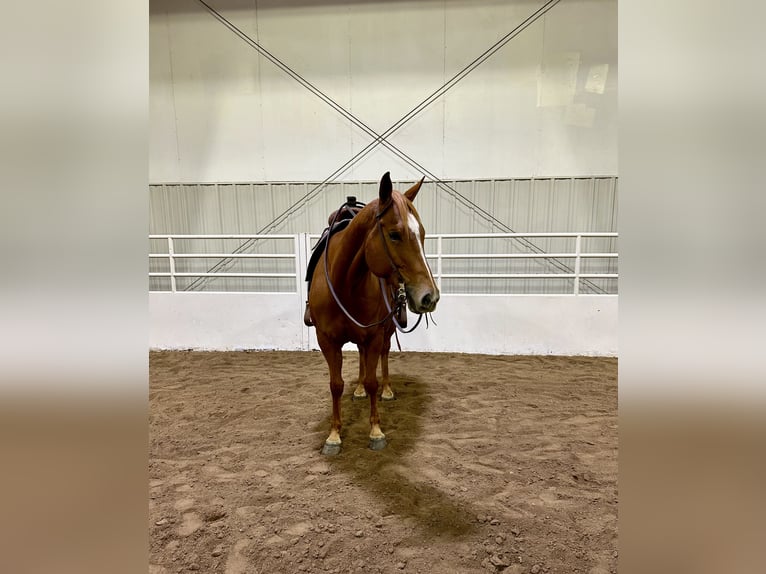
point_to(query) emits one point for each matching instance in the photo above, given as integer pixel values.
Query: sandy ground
(493, 464)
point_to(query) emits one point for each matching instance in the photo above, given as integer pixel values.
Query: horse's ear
(413, 191)
(386, 187)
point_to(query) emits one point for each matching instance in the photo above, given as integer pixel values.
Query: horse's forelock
(404, 207)
(410, 209)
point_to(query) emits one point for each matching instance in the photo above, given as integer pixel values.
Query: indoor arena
(383, 275)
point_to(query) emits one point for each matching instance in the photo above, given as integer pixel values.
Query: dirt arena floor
(494, 464)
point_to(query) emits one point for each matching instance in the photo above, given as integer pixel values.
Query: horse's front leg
(334, 356)
(371, 355)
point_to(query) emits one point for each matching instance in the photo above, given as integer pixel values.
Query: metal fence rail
(462, 263)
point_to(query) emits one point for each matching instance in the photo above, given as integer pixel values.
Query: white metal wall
(522, 205)
(544, 105)
(509, 137)
(525, 325)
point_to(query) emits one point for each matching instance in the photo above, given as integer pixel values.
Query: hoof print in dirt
(331, 449)
(377, 443)
(499, 562)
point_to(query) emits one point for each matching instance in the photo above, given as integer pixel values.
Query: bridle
(401, 294)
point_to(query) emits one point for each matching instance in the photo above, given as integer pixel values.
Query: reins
(401, 298)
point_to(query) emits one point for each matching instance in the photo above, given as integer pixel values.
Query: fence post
(302, 249)
(578, 245)
(439, 261)
(298, 250)
(172, 261)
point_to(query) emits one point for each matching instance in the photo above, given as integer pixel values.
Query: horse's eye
(395, 236)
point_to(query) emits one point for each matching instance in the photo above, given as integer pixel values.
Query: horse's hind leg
(359, 392)
(334, 356)
(387, 394)
(371, 356)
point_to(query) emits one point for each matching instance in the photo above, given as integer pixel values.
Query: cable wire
(380, 138)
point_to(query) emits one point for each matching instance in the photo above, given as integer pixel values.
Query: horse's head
(395, 246)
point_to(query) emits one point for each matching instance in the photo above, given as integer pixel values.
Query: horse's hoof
(385, 398)
(331, 449)
(356, 397)
(378, 443)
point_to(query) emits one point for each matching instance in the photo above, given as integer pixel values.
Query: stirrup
(307, 317)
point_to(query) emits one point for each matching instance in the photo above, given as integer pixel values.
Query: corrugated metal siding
(520, 205)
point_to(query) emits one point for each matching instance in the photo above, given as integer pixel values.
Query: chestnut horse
(353, 294)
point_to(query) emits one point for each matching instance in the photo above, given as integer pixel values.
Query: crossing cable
(377, 138)
(380, 138)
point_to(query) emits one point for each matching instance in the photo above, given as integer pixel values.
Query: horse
(366, 273)
(336, 221)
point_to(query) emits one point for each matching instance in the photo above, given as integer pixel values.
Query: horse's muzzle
(422, 300)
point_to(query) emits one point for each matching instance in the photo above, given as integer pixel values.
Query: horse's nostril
(426, 300)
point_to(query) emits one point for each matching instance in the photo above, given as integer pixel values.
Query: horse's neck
(349, 264)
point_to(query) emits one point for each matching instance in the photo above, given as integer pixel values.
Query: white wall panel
(225, 322)
(221, 113)
(523, 325)
(524, 205)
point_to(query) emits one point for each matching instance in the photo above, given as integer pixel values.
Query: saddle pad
(319, 247)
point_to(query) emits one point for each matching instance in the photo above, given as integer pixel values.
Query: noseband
(400, 303)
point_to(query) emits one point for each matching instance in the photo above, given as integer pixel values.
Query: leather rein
(401, 295)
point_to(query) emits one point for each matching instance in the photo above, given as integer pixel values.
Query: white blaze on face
(414, 226)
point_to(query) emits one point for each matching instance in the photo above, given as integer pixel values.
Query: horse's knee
(336, 387)
(371, 386)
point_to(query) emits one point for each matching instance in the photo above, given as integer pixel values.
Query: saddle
(338, 220)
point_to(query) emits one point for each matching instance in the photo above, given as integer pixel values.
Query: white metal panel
(225, 321)
(523, 205)
(538, 325)
(220, 112)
